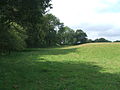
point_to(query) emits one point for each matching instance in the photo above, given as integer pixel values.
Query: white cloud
(86, 13)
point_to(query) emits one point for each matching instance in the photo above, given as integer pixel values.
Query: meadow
(82, 67)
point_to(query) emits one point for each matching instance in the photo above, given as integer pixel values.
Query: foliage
(101, 40)
(71, 37)
(52, 24)
(80, 36)
(17, 18)
(66, 35)
(12, 38)
(117, 41)
(89, 41)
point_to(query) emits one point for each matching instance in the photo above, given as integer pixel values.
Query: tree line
(27, 24)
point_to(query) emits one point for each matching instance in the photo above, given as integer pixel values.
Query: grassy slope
(85, 67)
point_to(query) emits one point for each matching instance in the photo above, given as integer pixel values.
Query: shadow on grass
(21, 72)
(51, 51)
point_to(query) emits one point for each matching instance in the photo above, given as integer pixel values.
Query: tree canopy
(101, 40)
(17, 18)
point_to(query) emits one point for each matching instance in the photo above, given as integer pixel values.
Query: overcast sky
(98, 18)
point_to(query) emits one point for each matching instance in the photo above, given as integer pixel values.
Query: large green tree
(66, 35)
(81, 36)
(51, 27)
(19, 19)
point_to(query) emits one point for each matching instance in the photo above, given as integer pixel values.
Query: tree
(80, 36)
(52, 26)
(89, 41)
(117, 41)
(66, 35)
(46, 32)
(101, 40)
(12, 38)
(18, 18)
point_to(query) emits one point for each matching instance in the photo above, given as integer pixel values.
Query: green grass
(84, 67)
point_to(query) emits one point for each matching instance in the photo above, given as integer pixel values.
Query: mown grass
(84, 67)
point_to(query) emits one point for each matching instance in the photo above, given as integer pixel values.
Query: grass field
(82, 67)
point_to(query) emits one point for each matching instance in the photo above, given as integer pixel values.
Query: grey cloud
(94, 31)
(93, 27)
(107, 31)
(100, 27)
(110, 33)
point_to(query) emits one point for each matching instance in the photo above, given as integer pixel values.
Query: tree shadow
(51, 51)
(48, 75)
